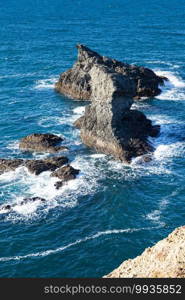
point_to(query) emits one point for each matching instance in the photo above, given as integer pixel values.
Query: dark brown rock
(155, 130)
(50, 164)
(65, 173)
(7, 165)
(34, 166)
(59, 184)
(41, 142)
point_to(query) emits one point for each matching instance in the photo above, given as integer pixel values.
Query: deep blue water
(112, 212)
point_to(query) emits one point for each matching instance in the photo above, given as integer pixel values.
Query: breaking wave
(174, 89)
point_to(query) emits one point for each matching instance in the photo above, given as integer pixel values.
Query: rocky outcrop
(166, 259)
(134, 81)
(112, 129)
(49, 164)
(42, 142)
(34, 166)
(65, 174)
(109, 125)
(57, 165)
(7, 165)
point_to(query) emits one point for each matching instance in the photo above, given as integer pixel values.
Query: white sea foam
(88, 180)
(36, 186)
(174, 79)
(97, 155)
(170, 150)
(52, 121)
(62, 248)
(43, 186)
(48, 83)
(13, 145)
(77, 113)
(160, 62)
(26, 208)
(167, 147)
(162, 119)
(155, 216)
(65, 118)
(79, 110)
(137, 168)
(174, 89)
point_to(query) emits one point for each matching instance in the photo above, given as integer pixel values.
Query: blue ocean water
(112, 212)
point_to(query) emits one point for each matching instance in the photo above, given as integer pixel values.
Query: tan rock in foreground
(166, 259)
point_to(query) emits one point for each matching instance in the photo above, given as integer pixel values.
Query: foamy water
(65, 118)
(87, 182)
(48, 83)
(174, 89)
(43, 186)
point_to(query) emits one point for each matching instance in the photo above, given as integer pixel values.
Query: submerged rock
(8, 207)
(166, 259)
(42, 142)
(49, 164)
(5, 207)
(7, 165)
(32, 199)
(134, 81)
(65, 173)
(59, 184)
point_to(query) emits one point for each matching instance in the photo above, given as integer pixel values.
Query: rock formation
(7, 165)
(58, 165)
(42, 142)
(109, 125)
(135, 81)
(65, 173)
(49, 164)
(165, 259)
(111, 129)
(34, 166)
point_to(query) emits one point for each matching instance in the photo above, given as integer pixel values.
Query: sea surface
(112, 211)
